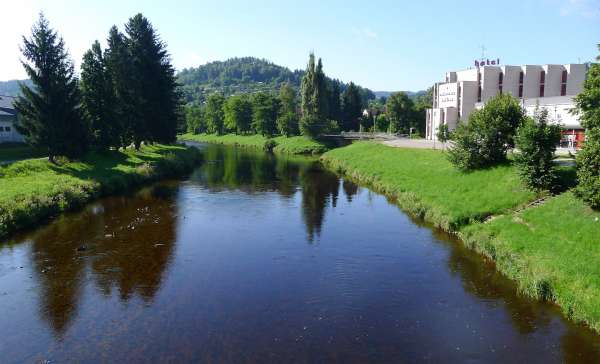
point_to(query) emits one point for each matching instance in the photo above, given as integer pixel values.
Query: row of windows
(563, 85)
(5, 128)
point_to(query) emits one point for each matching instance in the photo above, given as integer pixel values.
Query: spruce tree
(119, 73)
(335, 107)
(351, 108)
(98, 99)
(50, 115)
(314, 95)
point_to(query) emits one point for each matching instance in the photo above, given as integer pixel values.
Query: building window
(542, 81)
(478, 86)
(500, 81)
(521, 77)
(7, 128)
(563, 83)
(1, 128)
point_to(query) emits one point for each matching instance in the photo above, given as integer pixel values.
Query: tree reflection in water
(126, 243)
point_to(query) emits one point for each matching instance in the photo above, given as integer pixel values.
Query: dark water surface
(262, 259)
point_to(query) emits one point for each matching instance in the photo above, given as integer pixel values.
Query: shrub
(269, 145)
(588, 170)
(488, 136)
(536, 141)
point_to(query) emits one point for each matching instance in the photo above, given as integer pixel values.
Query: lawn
(33, 189)
(427, 185)
(287, 145)
(16, 151)
(552, 250)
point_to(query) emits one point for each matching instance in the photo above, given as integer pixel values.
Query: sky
(383, 45)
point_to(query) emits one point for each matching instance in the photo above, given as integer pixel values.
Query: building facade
(550, 86)
(8, 118)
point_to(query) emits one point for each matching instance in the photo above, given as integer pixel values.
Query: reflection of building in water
(550, 86)
(127, 243)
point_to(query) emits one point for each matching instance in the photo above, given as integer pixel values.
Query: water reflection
(125, 244)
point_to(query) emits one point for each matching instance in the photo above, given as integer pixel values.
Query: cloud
(589, 9)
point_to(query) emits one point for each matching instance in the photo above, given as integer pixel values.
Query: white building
(8, 117)
(549, 86)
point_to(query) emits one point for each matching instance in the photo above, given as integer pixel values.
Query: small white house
(8, 117)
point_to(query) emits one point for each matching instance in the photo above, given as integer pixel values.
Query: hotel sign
(447, 95)
(487, 62)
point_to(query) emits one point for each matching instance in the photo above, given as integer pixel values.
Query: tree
(119, 73)
(351, 108)
(314, 104)
(335, 106)
(381, 123)
(488, 136)
(214, 115)
(287, 121)
(194, 119)
(399, 112)
(264, 113)
(50, 115)
(98, 99)
(155, 96)
(443, 134)
(588, 159)
(536, 142)
(238, 114)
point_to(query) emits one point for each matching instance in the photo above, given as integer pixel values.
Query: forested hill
(11, 88)
(242, 75)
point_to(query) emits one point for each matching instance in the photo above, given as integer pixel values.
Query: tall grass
(34, 189)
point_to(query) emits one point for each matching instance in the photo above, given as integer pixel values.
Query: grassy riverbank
(15, 151)
(427, 185)
(287, 145)
(550, 250)
(34, 189)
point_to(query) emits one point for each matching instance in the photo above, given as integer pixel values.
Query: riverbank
(284, 145)
(549, 249)
(35, 189)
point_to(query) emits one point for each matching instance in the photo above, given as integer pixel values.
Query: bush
(488, 136)
(536, 141)
(269, 145)
(588, 170)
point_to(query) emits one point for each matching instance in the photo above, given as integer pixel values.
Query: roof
(6, 105)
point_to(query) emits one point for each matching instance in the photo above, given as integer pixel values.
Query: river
(255, 258)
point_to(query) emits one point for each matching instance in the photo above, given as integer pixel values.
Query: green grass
(13, 152)
(551, 250)
(34, 189)
(427, 185)
(287, 145)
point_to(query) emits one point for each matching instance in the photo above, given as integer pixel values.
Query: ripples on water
(256, 258)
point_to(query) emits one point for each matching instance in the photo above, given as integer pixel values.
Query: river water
(262, 259)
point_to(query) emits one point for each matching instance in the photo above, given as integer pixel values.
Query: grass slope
(552, 251)
(12, 151)
(31, 190)
(287, 145)
(427, 185)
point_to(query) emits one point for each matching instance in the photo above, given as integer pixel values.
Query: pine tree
(314, 99)
(156, 98)
(119, 73)
(351, 108)
(98, 99)
(50, 115)
(335, 107)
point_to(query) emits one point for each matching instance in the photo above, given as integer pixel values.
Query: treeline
(244, 75)
(320, 106)
(127, 93)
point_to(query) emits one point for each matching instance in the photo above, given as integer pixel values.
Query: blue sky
(383, 45)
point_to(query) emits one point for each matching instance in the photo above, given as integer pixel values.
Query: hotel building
(8, 118)
(550, 86)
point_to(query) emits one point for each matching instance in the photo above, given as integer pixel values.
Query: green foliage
(34, 189)
(99, 99)
(588, 169)
(485, 140)
(287, 121)
(443, 134)
(381, 123)
(194, 119)
(314, 105)
(399, 112)
(269, 145)
(427, 185)
(238, 114)
(588, 159)
(335, 106)
(285, 145)
(351, 108)
(536, 141)
(50, 116)
(214, 115)
(119, 72)
(265, 108)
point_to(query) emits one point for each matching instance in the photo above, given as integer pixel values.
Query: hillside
(242, 75)
(11, 87)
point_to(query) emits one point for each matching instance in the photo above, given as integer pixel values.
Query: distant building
(8, 118)
(550, 86)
